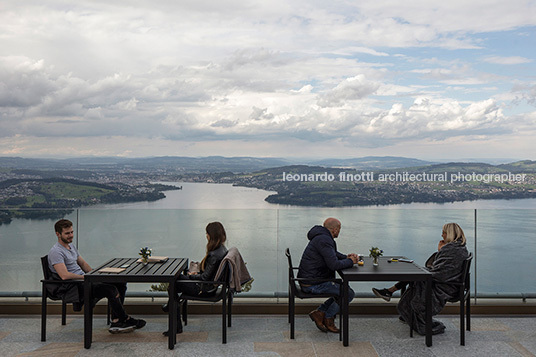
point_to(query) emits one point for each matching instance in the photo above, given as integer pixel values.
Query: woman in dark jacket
(216, 251)
(446, 267)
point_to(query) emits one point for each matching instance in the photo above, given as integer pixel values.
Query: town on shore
(40, 188)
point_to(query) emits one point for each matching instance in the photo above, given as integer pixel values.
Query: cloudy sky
(419, 78)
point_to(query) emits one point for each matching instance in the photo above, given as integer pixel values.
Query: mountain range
(213, 163)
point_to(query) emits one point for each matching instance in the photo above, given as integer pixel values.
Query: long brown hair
(216, 237)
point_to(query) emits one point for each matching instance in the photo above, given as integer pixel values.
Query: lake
(502, 237)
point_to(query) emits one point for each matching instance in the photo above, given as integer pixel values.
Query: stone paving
(268, 335)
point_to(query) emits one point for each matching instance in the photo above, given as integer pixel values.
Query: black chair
(223, 293)
(295, 291)
(46, 283)
(464, 297)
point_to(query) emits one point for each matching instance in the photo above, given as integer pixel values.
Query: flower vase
(144, 260)
(375, 261)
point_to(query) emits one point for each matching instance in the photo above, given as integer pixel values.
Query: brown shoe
(318, 318)
(330, 325)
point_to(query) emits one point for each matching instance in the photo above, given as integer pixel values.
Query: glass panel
(23, 242)
(505, 240)
(181, 233)
(505, 249)
(413, 233)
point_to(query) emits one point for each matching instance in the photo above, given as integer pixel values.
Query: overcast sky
(419, 78)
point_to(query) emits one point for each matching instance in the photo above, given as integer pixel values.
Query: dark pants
(111, 292)
(402, 285)
(190, 288)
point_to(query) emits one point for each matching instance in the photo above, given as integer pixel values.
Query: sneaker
(383, 293)
(120, 327)
(137, 323)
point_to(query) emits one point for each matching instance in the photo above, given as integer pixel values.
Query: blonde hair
(454, 233)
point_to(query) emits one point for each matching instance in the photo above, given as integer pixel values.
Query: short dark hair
(61, 224)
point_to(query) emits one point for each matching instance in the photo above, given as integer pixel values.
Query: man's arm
(64, 274)
(83, 264)
(328, 252)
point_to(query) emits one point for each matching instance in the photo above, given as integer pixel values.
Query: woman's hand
(440, 244)
(192, 273)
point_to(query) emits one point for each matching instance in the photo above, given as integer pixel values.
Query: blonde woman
(446, 268)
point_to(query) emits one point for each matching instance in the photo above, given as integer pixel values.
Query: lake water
(503, 238)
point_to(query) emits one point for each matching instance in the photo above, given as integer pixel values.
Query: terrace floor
(268, 335)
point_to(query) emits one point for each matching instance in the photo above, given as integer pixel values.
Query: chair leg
(462, 322)
(291, 312)
(184, 311)
(468, 313)
(223, 322)
(229, 309)
(289, 293)
(63, 313)
(44, 316)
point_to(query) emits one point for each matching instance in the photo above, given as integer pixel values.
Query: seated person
(66, 263)
(320, 260)
(215, 252)
(446, 267)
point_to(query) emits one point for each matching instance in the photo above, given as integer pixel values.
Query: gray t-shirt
(59, 254)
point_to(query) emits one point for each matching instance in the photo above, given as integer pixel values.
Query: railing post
(475, 255)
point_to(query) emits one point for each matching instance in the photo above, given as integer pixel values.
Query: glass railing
(501, 240)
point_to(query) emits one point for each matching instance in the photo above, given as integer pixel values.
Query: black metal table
(164, 272)
(385, 271)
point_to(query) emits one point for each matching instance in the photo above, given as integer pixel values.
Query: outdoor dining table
(134, 272)
(386, 271)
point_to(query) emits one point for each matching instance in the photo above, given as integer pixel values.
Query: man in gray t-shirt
(65, 262)
(59, 254)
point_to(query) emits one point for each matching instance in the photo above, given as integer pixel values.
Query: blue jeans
(330, 306)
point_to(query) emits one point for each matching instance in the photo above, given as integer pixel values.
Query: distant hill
(373, 162)
(209, 163)
(318, 186)
(520, 166)
(175, 163)
(216, 164)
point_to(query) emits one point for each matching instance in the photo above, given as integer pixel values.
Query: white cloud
(354, 88)
(507, 60)
(383, 72)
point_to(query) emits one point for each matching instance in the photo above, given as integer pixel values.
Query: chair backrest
(464, 284)
(291, 279)
(290, 267)
(467, 272)
(47, 273)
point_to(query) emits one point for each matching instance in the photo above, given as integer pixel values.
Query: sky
(315, 79)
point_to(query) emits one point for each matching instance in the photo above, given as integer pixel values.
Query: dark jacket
(320, 259)
(446, 269)
(68, 292)
(212, 263)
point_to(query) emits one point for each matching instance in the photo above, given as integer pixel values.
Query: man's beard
(65, 240)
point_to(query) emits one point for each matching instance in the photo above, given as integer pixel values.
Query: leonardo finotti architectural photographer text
(405, 176)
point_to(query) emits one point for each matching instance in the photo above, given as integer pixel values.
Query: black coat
(446, 268)
(321, 259)
(212, 263)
